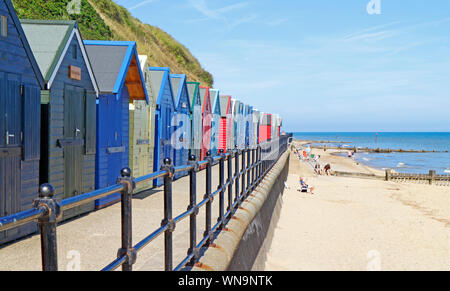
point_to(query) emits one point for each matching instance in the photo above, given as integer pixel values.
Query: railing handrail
(47, 210)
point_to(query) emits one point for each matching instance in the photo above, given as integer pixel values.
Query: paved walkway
(96, 236)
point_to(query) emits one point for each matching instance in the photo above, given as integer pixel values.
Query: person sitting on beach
(305, 187)
(327, 169)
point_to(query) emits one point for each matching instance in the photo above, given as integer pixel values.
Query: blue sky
(323, 65)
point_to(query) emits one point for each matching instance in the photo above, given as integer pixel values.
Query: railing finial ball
(167, 161)
(46, 190)
(125, 172)
(192, 158)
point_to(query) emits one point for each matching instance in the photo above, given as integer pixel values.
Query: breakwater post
(432, 177)
(388, 174)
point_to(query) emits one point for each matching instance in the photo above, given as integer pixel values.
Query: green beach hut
(68, 106)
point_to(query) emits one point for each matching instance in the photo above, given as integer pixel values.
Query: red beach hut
(206, 122)
(265, 127)
(225, 121)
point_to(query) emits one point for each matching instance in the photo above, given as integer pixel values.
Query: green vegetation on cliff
(105, 20)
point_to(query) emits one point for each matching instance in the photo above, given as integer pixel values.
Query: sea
(417, 163)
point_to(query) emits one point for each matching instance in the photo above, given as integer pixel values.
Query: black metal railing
(255, 164)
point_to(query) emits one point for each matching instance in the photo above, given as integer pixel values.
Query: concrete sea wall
(243, 244)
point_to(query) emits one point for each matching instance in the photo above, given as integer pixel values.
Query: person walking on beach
(317, 169)
(327, 169)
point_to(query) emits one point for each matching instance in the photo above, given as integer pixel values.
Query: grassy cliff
(105, 20)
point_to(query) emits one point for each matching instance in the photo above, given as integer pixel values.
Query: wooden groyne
(377, 150)
(431, 178)
(321, 141)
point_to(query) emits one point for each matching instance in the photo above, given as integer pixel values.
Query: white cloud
(277, 22)
(220, 13)
(141, 4)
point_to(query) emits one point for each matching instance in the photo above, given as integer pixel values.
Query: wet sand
(360, 224)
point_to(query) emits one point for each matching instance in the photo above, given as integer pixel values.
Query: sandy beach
(359, 224)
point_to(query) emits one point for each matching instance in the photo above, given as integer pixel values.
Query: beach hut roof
(234, 106)
(26, 45)
(225, 105)
(214, 93)
(49, 40)
(193, 88)
(159, 76)
(116, 63)
(178, 82)
(204, 92)
(142, 61)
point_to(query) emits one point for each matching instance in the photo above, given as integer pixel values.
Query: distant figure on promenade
(327, 169)
(305, 187)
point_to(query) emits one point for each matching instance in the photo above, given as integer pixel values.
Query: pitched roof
(215, 100)
(204, 93)
(143, 61)
(193, 88)
(225, 105)
(25, 43)
(178, 82)
(49, 41)
(116, 64)
(159, 78)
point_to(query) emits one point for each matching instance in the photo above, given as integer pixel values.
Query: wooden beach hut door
(166, 134)
(74, 141)
(10, 145)
(140, 151)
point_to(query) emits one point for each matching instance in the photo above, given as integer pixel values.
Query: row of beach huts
(73, 113)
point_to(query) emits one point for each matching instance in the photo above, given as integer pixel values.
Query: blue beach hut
(164, 114)
(181, 138)
(248, 125)
(120, 80)
(215, 121)
(68, 105)
(196, 118)
(241, 126)
(21, 82)
(234, 119)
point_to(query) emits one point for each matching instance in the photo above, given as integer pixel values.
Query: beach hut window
(4, 26)
(74, 52)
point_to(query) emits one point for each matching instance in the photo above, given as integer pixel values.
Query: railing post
(236, 175)
(193, 205)
(243, 174)
(126, 219)
(47, 225)
(258, 158)
(247, 189)
(168, 245)
(221, 187)
(209, 197)
(253, 168)
(230, 181)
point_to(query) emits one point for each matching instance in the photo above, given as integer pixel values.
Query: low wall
(241, 245)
